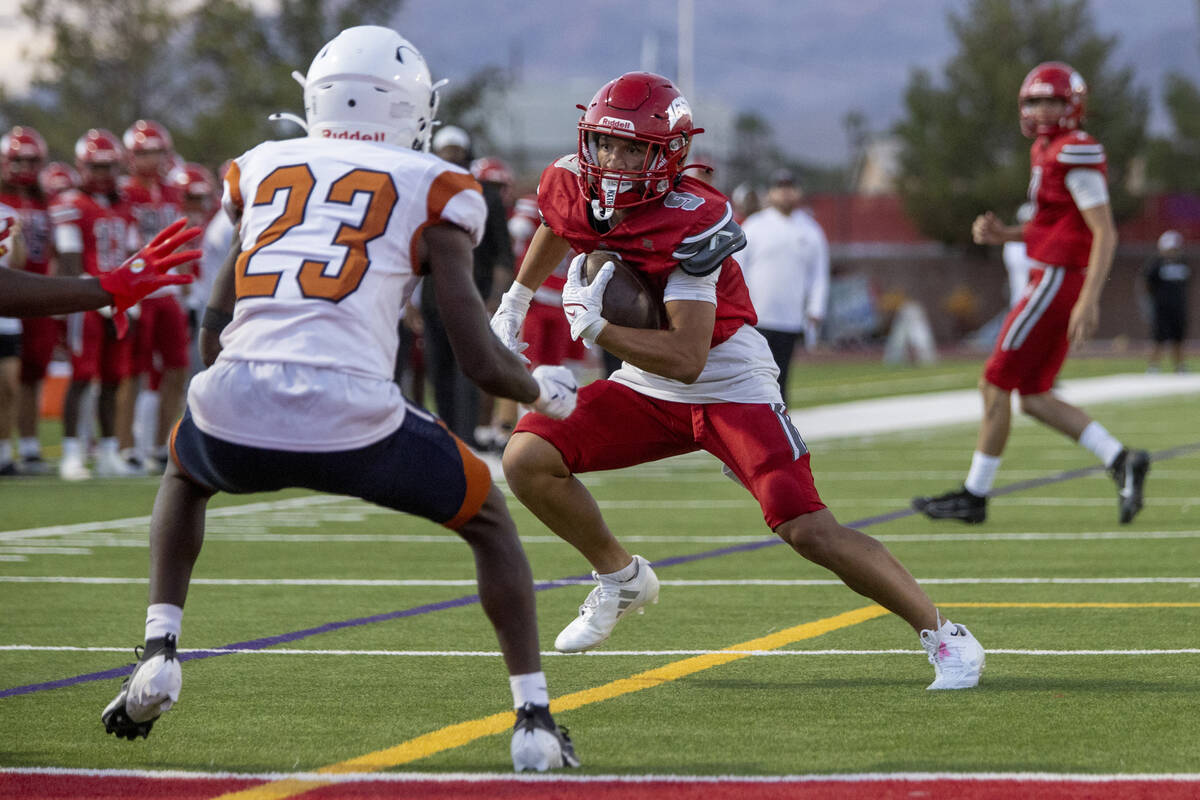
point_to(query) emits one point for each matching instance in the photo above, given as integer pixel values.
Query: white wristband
(517, 297)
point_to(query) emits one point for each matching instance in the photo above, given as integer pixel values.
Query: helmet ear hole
(351, 102)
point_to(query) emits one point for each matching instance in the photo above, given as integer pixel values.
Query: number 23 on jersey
(318, 279)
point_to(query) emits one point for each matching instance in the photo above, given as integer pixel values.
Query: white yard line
(791, 582)
(286, 651)
(567, 777)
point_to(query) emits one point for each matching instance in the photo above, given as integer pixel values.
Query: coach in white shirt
(786, 265)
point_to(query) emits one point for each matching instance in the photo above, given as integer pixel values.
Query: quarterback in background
(706, 381)
(1071, 239)
(335, 230)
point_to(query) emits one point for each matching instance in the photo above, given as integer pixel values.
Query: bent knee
(810, 535)
(528, 457)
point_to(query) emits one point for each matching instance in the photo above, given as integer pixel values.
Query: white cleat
(149, 691)
(72, 468)
(606, 604)
(956, 655)
(111, 465)
(538, 744)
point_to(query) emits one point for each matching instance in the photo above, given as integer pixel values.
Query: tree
(1174, 163)
(962, 150)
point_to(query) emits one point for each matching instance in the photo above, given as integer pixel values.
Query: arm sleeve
(1087, 187)
(682, 285)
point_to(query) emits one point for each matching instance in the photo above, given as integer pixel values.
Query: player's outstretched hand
(584, 303)
(145, 271)
(558, 391)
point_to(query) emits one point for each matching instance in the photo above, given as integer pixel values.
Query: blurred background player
(545, 330)
(161, 337)
(12, 256)
(1016, 258)
(786, 265)
(23, 157)
(94, 231)
(1167, 276)
(1072, 238)
(218, 238)
(705, 382)
(456, 398)
(300, 389)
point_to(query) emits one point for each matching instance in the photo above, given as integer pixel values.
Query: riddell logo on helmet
(614, 122)
(366, 137)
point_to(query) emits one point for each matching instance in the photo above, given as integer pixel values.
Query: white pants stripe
(1035, 307)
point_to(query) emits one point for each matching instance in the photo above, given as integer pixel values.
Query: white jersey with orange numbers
(328, 234)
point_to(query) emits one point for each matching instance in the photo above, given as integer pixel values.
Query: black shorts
(421, 468)
(1170, 325)
(10, 345)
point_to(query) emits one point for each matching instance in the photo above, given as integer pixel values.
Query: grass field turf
(760, 715)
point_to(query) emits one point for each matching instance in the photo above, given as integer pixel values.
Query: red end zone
(44, 786)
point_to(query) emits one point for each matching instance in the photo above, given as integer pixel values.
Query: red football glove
(145, 271)
(7, 225)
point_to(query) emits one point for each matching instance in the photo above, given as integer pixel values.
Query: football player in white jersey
(335, 231)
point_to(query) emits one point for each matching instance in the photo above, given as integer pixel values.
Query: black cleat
(960, 504)
(1129, 473)
(155, 681)
(538, 743)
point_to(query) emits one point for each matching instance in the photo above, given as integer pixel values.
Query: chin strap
(600, 212)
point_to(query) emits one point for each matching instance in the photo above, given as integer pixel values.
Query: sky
(800, 64)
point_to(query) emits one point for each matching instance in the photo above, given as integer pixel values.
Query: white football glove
(558, 391)
(584, 304)
(510, 316)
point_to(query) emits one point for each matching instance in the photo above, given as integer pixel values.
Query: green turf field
(1074, 609)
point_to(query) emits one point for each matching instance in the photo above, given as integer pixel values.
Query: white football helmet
(370, 83)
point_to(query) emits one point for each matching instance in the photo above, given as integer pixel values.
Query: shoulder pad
(703, 253)
(569, 162)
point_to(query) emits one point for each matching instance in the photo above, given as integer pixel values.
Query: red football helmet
(644, 107)
(199, 189)
(57, 177)
(23, 151)
(491, 170)
(1058, 80)
(98, 148)
(146, 135)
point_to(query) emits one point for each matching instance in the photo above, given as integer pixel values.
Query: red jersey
(656, 237)
(107, 233)
(154, 207)
(35, 227)
(1057, 234)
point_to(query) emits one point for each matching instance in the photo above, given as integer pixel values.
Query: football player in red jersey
(94, 232)
(23, 154)
(161, 339)
(1071, 238)
(707, 381)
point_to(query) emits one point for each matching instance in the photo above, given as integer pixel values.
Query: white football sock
(71, 447)
(30, 447)
(163, 619)
(5, 452)
(1103, 444)
(982, 474)
(529, 688)
(622, 575)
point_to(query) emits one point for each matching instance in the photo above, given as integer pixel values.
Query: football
(629, 299)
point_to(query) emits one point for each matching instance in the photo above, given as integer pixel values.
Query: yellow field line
(465, 732)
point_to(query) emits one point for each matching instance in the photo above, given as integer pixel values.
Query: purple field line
(471, 599)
